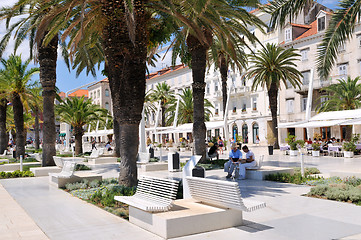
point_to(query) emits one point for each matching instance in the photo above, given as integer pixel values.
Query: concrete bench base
(15, 166)
(156, 166)
(185, 218)
(4, 160)
(102, 160)
(260, 174)
(44, 171)
(77, 177)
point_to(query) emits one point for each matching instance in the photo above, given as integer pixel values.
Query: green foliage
(65, 155)
(290, 138)
(82, 167)
(296, 178)
(155, 159)
(349, 146)
(316, 146)
(27, 167)
(308, 171)
(16, 174)
(294, 144)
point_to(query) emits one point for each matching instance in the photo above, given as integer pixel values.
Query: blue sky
(67, 80)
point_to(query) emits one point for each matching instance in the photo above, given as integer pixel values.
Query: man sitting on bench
(235, 156)
(248, 162)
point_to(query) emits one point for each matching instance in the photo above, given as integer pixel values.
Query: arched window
(245, 133)
(107, 106)
(255, 131)
(107, 92)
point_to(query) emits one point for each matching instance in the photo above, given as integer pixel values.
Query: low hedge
(16, 174)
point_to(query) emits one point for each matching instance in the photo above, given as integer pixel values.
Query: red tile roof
(165, 71)
(79, 93)
(312, 31)
(300, 25)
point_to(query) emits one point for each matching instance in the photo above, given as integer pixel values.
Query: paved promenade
(32, 209)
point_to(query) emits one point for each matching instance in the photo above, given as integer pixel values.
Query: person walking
(220, 145)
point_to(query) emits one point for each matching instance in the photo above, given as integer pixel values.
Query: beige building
(100, 94)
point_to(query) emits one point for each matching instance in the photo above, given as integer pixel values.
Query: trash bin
(199, 172)
(14, 154)
(173, 162)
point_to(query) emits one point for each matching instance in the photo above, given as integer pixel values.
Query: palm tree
(345, 95)
(204, 21)
(3, 131)
(163, 94)
(340, 29)
(35, 103)
(15, 78)
(186, 109)
(270, 67)
(78, 112)
(27, 15)
(126, 29)
(223, 60)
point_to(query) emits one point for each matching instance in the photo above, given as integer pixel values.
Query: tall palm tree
(124, 28)
(3, 131)
(345, 95)
(186, 109)
(27, 15)
(36, 106)
(270, 67)
(16, 77)
(225, 20)
(223, 59)
(340, 29)
(163, 94)
(78, 112)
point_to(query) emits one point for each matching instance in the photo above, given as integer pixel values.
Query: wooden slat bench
(221, 193)
(152, 194)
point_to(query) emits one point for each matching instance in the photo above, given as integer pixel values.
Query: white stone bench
(44, 171)
(220, 193)
(68, 175)
(152, 194)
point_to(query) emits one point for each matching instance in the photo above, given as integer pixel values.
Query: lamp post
(67, 126)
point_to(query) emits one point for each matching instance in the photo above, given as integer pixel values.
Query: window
(323, 100)
(107, 92)
(244, 82)
(234, 107)
(216, 109)
(288, 84)
(342, 70)
(255, 131)
(91, 95)
(233, 82)
(98, 93)
(289, 104)
(254, 103)
(341, 48)
(216, 86)
(304, 53)
(303, 104)
(107, 106)
(358, 40)
(288, 36)
(321, 24)
(306, 77)
(208, 88)
(244, 107)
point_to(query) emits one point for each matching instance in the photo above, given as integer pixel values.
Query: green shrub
(94, 184)
(82, 167)
(64, 155)
(16, 174)
(308, 171)
(319, 190)
(77, 185)
(296, 178)
(40, 150)
(155, 159)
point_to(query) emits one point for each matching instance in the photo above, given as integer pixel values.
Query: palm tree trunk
(198, 53)
(116, 138)
(272, 96)
(126, 62)
(36, 127)
(47, 61)
(3, 133)
(19, 124)
(78, 133)
(224, 72)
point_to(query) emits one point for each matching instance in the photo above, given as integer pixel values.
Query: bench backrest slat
(157, 189)
(68, 168)
(219, 193)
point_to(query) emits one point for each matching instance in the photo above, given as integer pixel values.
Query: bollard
(302, 165)
(160, 153)
(21, 162)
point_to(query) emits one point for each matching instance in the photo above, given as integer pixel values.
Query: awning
(313, 124)
(188, 127)
(337, 115)
(99, 133)
(62, 134)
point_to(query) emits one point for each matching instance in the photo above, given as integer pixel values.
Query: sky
(67, 80)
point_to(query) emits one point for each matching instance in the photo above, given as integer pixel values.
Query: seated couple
(237, 163)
